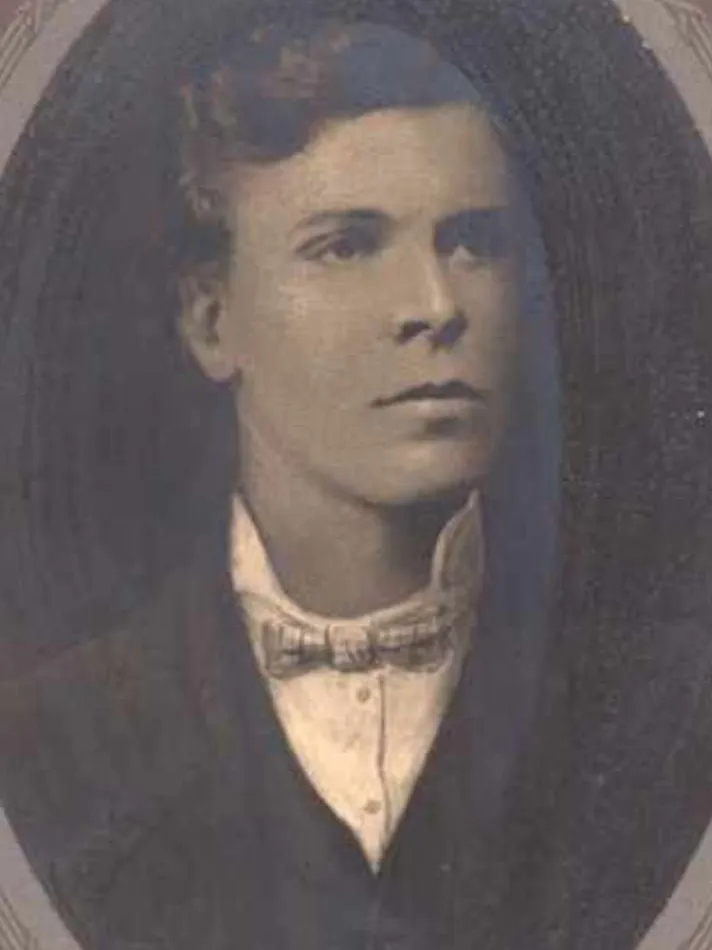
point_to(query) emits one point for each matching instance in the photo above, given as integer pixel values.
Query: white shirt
(361, 738)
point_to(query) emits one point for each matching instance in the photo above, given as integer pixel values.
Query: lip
(436, 397)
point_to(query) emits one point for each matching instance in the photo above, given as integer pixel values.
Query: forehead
(398, 161)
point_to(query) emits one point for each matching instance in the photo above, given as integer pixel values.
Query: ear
(204, 326)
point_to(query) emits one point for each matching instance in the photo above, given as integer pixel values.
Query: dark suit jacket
(150, 782)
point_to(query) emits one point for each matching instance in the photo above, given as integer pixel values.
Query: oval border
(39, 35)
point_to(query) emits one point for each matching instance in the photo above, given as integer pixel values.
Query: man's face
(371, 301)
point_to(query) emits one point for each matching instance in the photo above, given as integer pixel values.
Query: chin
(430, 474)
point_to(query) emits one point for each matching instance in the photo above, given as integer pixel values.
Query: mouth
(451, 391)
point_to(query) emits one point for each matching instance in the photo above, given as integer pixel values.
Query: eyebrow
(486, 221)
(478, 215)
(343, 216)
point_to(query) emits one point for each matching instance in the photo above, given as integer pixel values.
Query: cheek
(298, 333)
(491, 301)
(319, 317)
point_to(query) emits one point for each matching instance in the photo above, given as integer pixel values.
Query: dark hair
(262, 97)
(113, 449)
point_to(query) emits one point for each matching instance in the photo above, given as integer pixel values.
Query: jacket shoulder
(94, 741)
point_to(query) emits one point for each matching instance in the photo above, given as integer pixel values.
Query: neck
(336, 555)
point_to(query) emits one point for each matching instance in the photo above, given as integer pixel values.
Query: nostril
(450, 332)
(410, 329)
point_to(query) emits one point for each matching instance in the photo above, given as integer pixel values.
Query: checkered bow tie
(419, 638)
(417, 635)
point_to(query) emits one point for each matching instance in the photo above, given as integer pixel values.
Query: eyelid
(360, 233)
(317, 241)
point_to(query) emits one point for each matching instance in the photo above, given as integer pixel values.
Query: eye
(341, 247)
(473, 238)
(463, 256)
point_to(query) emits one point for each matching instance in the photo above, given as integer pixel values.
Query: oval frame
(35, 43)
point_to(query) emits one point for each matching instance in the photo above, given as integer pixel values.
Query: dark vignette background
(112, 450)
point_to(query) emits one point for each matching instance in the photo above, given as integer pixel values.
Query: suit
(148, 779)
(163, 808)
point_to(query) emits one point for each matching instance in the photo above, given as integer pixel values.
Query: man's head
(356, 281)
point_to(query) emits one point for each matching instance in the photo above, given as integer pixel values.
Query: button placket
(370, 802)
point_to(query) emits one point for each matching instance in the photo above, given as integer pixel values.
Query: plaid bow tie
(419, 639)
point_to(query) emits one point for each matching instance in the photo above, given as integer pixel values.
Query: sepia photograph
(355, 475)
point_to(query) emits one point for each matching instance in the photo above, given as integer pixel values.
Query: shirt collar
(457, 564)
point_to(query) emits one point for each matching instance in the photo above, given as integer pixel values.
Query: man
(187, 804)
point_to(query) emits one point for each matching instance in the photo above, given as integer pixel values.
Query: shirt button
(372, 807)
(364, 694)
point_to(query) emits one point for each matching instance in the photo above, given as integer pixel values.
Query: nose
(428, 307)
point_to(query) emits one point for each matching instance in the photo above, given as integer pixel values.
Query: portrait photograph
(355, 475)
